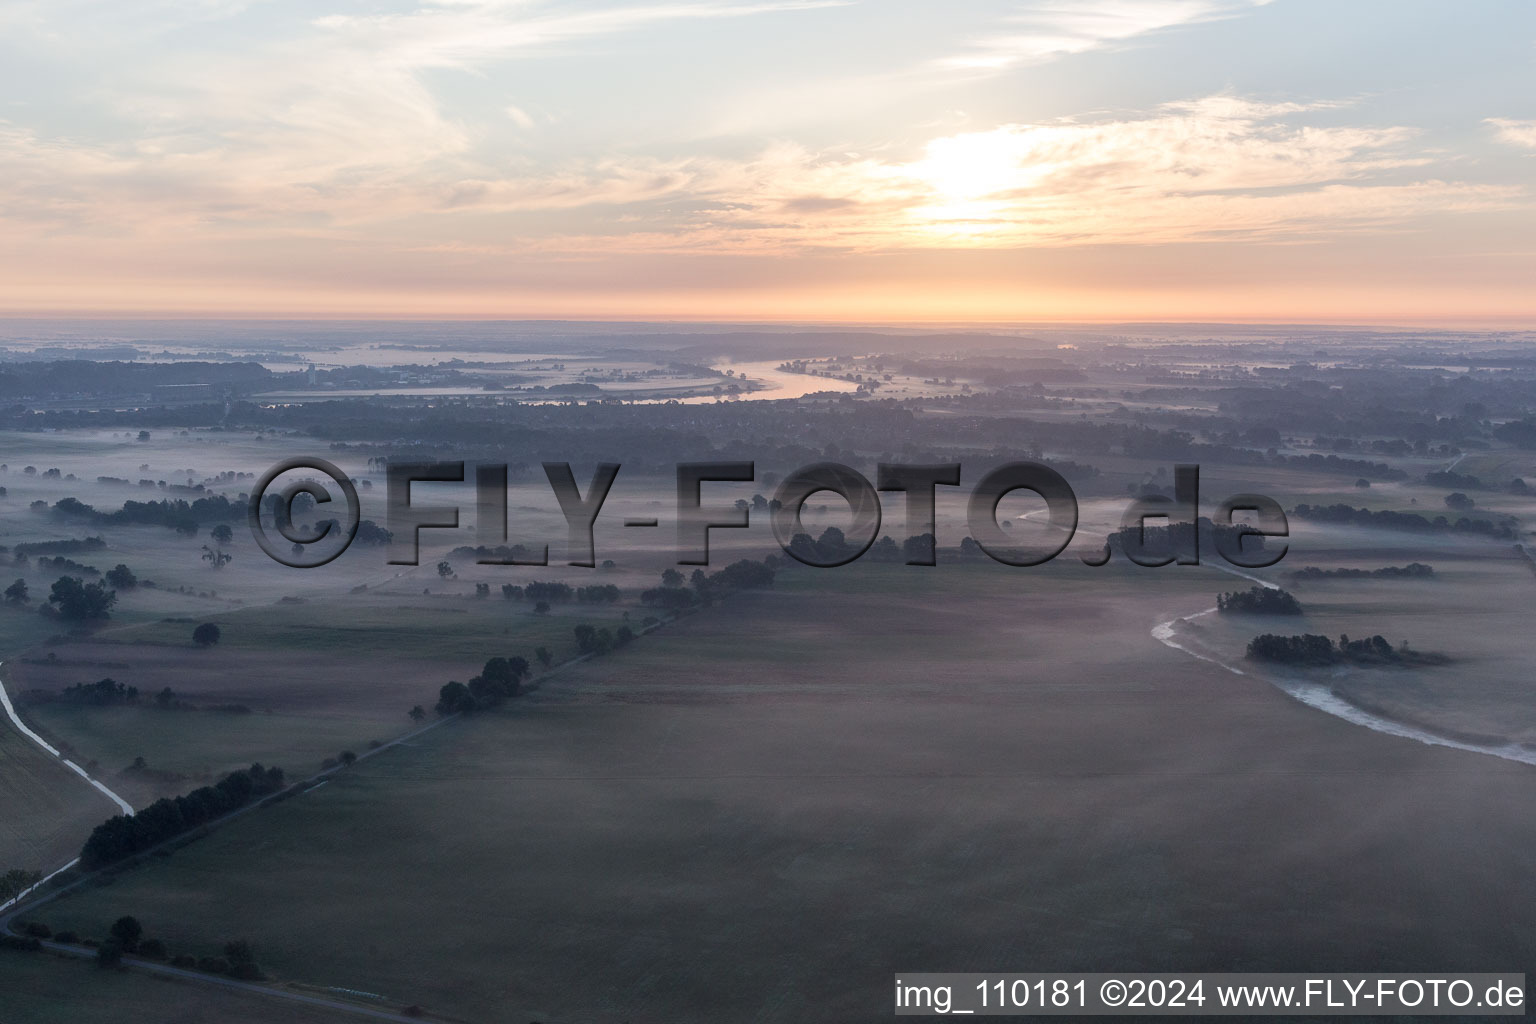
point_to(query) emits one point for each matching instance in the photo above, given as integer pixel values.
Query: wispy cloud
(1516, 133)
(1213, 169)
(1042, 32)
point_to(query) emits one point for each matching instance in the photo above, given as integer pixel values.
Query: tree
(121, 577)
(453, 698)
(1458, 500)
(143, 435)
(109, 954)
(222, 534)
(542, 653)
(206, 635)
(16, 593)
(541, 608)
(444, 569)
(671, 578)
(216, 558)
(16, 881)
(127, 931)
(347, 758)
(242, 960)
(418, 714)
(79, 601)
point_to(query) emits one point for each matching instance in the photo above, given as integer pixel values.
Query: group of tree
(600, 639)
(62, 563)
(120, 577)
(71, 546)
(127, 936)
(704, 588)
(100, 694)
(17, 881)
(125, 835)
(500, 680)
(185, 517)
(1258, 601)
(1313, 650)
(1393, 520)
(78, 601)
(1413, 571)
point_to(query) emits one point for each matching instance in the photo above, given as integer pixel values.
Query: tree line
(1258, 601)
(123, 835)
(1312, 650)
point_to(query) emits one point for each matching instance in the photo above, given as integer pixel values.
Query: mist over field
(766, 511)
(757, 788)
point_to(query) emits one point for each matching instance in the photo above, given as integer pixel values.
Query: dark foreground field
(762, 812)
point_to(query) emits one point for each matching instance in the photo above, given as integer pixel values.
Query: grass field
(763, 811)
(45, 989)
(46, 810)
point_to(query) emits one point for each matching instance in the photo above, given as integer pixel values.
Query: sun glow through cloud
(469, 155)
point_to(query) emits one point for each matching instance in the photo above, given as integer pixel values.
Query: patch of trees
(500, 680)
(104, 693)
(887, 550)
(553, 592)
(600, 640)
(745, 574)
(1258, 601)
(173, 513)
(1390, 520)
(79, 601)
(59, 563)
(1453, 481)
(73, 546)
(17, 881)
(501, 554)
(206, 635)
(1154, 542)
(372, 534)
(120, 577)
(123, 836)
(1312, 650)
(1412, 571)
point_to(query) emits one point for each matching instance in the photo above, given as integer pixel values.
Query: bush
(206, 635)
(126, 931)
(213, 965)
(184, 961)
(38, 930)
(25, 945)
(109, 954)
(68, 938)
(152, 949)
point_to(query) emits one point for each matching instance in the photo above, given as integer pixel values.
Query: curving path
(1322, 697)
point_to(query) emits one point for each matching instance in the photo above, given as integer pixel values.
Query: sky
(810, 160)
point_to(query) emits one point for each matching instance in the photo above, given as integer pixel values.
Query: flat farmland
(764, 810)
(46, 810)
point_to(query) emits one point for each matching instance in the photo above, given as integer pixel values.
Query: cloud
(1212, 169)
(1056, 30)
(1516, 133)
(1215, 169)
